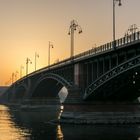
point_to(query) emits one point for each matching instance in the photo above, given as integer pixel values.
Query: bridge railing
(128, 39)
(94, 51)
(109, 46)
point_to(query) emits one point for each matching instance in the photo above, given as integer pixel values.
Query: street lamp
(74, 25)
(50, 46)
(21, 68)
(16, 75)
(131, 30)
(13, 75)
(27, 62)
(119, 4)
(36, 56)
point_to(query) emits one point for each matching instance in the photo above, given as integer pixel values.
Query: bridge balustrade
(128, 39)
(105, 47)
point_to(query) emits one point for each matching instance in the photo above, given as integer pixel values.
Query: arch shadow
(48, 86)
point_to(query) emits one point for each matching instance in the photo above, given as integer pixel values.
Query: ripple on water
(8, 129)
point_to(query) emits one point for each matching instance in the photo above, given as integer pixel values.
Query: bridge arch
(120, 83)
(16, 92)
(49, 85)
(20, 92)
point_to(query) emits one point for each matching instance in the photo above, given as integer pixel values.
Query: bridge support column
(76, 74)
(79, 76)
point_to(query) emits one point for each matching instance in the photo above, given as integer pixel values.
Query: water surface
(31, 125)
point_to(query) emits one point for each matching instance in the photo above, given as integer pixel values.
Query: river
(31, 125)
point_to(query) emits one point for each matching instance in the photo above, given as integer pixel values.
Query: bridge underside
(20, 92)
(47, 88)
(124, 87)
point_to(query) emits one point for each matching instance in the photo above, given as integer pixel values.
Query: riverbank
(100, 118)
(101, 114)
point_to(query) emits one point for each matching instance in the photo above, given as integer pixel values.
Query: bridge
(104, 73)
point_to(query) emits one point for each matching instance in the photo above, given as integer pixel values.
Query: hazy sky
(26, 27)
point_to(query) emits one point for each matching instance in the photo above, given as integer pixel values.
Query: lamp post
(21, 68)
(131, 30)
(114, 26)
(50, 46)
(73, 26)
(13, 75)
(36, 56)
(16, 75)
(27, 62)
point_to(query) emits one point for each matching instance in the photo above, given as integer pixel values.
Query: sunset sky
(27, 26)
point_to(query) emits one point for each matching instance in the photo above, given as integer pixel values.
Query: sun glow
(27, 27)
(8, 127)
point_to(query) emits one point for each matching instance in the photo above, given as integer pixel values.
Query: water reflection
(8, 129)
(31, 125)
(100, 132)
(38, 123)
(59, 133)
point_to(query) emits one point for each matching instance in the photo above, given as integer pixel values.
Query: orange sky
(27, 26)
